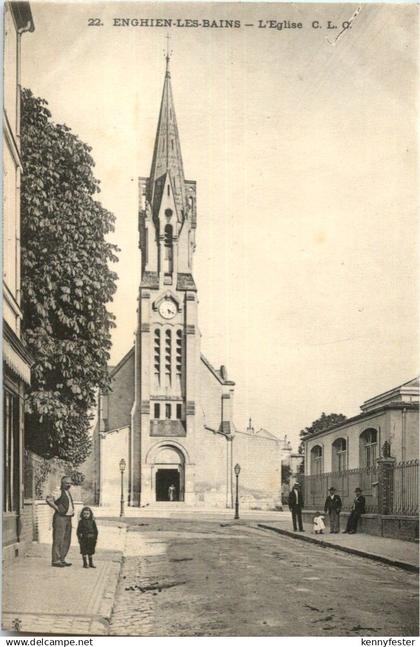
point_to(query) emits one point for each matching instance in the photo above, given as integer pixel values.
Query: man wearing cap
(333, 506)
(358, 508)
(295, 502)
(64, 511)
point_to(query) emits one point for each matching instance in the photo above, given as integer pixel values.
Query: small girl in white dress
(319, 525)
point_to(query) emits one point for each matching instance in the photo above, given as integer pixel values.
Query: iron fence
(366, 478)
(405, 498)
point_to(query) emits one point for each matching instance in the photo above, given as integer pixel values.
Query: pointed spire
(167, 158)
(167, 56)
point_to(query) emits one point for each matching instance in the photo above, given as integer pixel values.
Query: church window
(172, 144)
(168, 252)
(156, 356)
(168, 357)
(157, 410)
(179, 411)
(168, 411)
(178, 352)
(169, 190)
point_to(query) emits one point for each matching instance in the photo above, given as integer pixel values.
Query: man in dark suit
(333, 506)
(64, 511)
(358, 508)
(295, 502)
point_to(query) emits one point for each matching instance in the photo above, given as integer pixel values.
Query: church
(169, 413)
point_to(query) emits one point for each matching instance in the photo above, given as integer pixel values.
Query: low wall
(25, 531)
(26, 518)
(399, 527)
(391, 526)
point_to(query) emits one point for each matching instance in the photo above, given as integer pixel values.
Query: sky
(302, 143)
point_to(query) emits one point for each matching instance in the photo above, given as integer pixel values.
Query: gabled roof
(114, 370)
(267, 434)
(257, 436)
(216, 372)
(383, 402)
(400, 393)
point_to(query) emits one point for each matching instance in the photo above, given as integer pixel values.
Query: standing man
(171, 492)
(64, 511)
(333, 506)
(358, 508)
(295, 502)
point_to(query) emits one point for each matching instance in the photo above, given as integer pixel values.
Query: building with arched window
(347, 454)
(368, 447)
(169, 413)
(358, 441)
(339, 455)
(316, 459)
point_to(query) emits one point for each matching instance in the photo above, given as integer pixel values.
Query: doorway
(165, 478)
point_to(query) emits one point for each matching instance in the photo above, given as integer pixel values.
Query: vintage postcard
(210, 327)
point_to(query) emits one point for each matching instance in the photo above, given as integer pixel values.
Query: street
(203, 578)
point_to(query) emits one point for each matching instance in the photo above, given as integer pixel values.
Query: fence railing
(366, 478)
(399, 485)
(405, 498)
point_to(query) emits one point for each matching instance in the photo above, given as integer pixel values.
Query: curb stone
(110, 590)
(346, 549)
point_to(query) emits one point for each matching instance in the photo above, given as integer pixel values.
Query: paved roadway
(198, 578)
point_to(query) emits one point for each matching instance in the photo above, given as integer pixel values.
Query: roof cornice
(414, 406)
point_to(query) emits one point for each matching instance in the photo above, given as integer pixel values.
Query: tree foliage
(325, 421)
(286, 473)
(66, 283)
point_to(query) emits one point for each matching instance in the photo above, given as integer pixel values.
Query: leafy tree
(286, 473)
(66, 283)
(325, 421)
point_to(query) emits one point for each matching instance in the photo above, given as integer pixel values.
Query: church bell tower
(167, 349)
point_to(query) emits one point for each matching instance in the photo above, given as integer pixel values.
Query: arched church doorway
(169, 473)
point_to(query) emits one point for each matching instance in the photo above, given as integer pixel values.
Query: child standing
(318, 521)
(87, 534)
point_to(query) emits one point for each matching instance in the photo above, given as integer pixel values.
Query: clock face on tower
(167, 309)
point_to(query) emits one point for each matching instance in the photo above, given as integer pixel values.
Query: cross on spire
(168, 52)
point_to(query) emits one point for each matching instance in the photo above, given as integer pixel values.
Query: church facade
(169, 413)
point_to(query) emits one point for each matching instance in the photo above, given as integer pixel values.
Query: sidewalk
(40, 599)
(395, 552)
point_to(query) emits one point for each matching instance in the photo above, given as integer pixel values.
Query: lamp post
(237, 469)
(122, 468)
